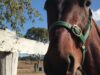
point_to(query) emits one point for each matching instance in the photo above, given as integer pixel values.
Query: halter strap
(76, 31)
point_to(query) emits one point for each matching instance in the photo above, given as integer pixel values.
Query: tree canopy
(16, 13)
(39, 34)
(32, 57)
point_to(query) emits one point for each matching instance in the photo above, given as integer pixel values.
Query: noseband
(76, 30)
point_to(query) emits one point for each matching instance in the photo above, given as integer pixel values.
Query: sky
(39, 5)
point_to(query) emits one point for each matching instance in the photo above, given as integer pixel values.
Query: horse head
(69, 25)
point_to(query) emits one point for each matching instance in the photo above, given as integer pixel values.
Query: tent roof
(9, 41)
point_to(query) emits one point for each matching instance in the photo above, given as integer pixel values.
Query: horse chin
(80, 71)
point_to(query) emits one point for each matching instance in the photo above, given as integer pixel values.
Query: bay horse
(74, 47)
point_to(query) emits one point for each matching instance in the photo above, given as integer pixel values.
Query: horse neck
(97, 28)
(93, 54)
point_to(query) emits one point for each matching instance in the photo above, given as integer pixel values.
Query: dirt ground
(40, 73)
(26, 68)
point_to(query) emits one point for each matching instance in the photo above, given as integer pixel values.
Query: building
(10, 47)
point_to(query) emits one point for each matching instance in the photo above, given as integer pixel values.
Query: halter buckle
(76, 30)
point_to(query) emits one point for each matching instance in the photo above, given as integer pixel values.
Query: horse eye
(88, 3)
(84, 3)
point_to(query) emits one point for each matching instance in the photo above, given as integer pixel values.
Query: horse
(74, 36)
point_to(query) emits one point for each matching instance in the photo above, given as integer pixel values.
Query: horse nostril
(70, 63)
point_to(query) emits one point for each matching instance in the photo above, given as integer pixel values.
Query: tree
(39, 34)
(16, 12)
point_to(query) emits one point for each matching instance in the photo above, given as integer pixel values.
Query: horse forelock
(62, 4)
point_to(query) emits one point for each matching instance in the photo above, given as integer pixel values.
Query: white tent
(10, 42)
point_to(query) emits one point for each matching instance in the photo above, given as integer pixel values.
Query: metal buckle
(76, 30)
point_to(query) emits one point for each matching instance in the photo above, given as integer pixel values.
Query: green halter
(76, 31)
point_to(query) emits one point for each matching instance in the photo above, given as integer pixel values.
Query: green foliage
(16, 12)
(32, 57)
(39, 34)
